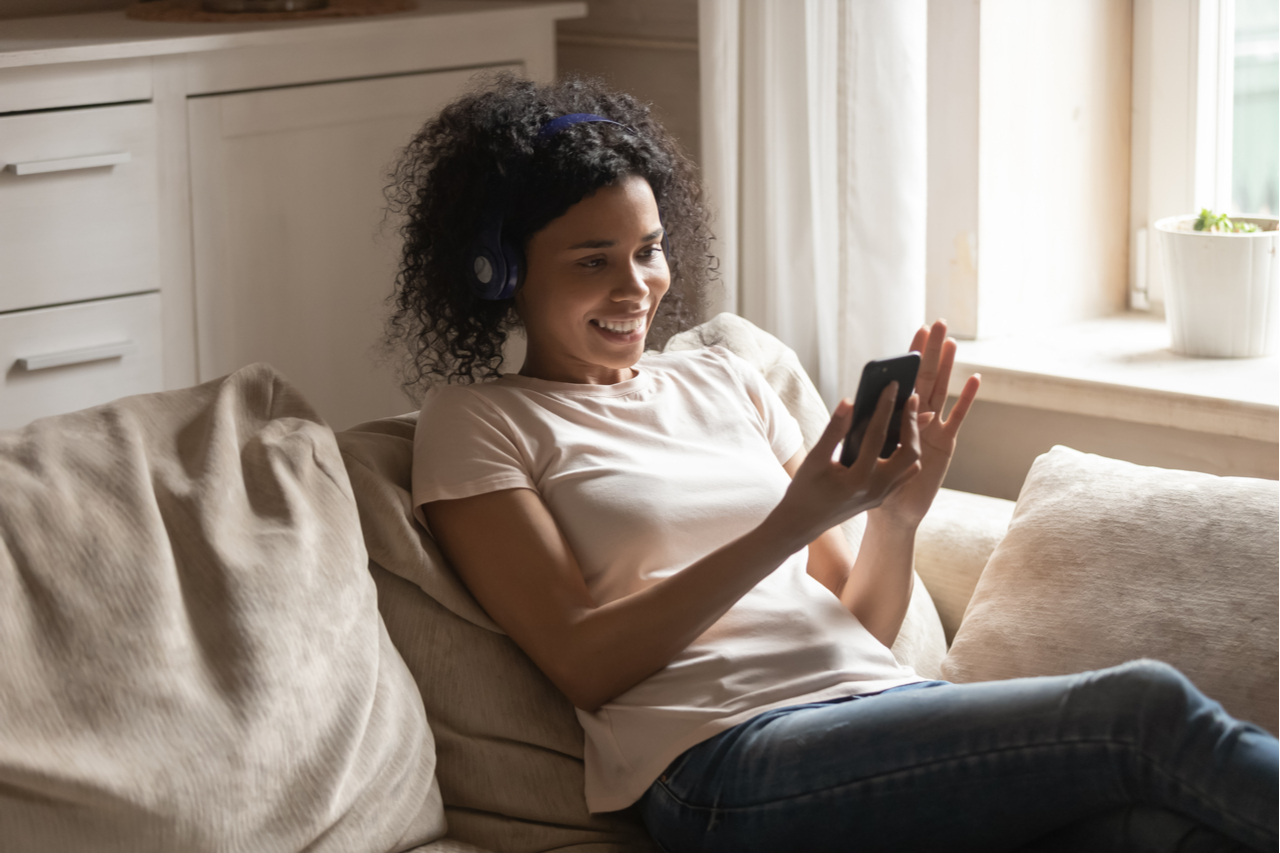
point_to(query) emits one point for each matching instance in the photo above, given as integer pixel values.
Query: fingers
(933, 346)
(877, 428)
(930, 358)
(906, 457)
(917, 343)
(835, 431)
(961, 408)
(938, 398)
(909, 434)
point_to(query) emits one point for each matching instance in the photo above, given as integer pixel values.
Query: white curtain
(813, 128)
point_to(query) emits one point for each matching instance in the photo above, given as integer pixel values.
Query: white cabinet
(234, 212)
(78, 245)
(294, 257)
(77, 205)
(73, 356)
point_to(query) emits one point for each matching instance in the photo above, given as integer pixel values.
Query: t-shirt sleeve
(780, 426)
(463, 446)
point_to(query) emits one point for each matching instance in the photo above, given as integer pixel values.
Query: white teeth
(623, 326)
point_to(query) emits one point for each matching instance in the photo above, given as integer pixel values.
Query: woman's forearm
(607, 659)
(878, 588)
(527, 578)
(672, 613)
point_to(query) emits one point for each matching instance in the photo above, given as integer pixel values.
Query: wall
(999, 442)
(649, 49)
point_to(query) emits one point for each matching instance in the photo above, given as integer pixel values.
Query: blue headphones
(496, 267)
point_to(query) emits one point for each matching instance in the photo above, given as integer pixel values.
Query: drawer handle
(78, 356)
(67, 164)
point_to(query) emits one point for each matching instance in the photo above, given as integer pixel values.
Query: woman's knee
(1149, 688)
(1154, 674)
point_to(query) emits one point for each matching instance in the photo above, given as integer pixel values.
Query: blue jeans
(1130, 758)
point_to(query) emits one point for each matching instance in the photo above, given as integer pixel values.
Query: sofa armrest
(952, 547)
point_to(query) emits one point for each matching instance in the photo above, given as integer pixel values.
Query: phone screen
(876, 376)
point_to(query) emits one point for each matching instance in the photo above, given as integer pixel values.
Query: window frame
(1183, 89)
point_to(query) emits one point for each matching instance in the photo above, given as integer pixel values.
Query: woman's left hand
(907, 506)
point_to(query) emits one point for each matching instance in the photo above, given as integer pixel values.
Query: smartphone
(876, 376)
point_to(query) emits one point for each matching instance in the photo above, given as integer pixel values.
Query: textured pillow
(952, 547)
(1106, 561)
(193, 655)
(921, 643)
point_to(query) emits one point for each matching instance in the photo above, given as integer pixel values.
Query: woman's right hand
(824, 493)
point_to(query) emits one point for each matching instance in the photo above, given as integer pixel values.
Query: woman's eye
(591, 263)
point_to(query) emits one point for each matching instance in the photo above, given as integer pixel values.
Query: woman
(649, 529)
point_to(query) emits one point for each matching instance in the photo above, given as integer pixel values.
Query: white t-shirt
(643, 478)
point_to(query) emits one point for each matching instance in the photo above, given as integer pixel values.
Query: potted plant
(1222, 283)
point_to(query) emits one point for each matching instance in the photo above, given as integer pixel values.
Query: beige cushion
(509, 744)
(952, 547)
(921, 642)
(193, 658)
(1106, 561)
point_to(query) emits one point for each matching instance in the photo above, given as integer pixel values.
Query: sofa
(223, 630)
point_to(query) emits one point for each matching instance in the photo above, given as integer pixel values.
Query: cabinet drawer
(78, 205)
(75, 84)
(59, 360)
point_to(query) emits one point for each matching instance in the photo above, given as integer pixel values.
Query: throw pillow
(193, 654)
(1106, 561)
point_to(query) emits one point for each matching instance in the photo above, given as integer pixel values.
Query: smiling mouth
(620, 327)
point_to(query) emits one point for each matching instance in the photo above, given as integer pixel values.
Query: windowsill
(1121, 368)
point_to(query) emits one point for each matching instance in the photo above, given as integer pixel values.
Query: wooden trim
(584, 40)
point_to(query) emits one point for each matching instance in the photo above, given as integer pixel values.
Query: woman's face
(593, 282)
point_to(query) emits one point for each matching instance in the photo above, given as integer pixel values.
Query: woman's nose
(632, 284)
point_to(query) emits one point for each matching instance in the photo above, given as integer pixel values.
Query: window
(1050, 123)
(1255, 124)
(1206, 118)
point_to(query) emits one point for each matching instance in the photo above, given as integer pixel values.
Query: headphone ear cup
(513, 267)
(489, 267)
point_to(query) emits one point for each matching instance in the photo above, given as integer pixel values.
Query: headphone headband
(560, 123)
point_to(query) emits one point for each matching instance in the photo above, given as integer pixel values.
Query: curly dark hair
(482, 150)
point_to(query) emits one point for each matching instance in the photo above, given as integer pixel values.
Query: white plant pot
(1222, 291)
